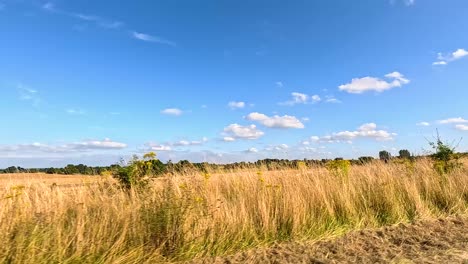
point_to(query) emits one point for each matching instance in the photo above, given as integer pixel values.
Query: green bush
(139, 171)
(444, 156)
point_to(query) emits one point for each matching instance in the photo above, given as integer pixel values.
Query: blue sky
(223, 81)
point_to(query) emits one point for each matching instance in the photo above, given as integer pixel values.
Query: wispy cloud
(97, 20)
(361, 85)
(173, 146)
(279, 84)
(447, 58)
(105, 23)
(406, 2)
(332, 100)
(73, 111)
(423, 124)
(300, 98)
(150, 38)
(172, 111)
(28, 94)
(81, 146)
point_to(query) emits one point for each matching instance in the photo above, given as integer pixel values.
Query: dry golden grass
(31, 179)
(198, 215)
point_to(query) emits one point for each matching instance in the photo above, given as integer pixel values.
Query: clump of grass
(199, 214)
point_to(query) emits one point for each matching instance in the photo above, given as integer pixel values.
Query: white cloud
(28, 94)
(236, 131)
(276, 121)
(368, 130)
(49, 6)
(95, 144)
(157, 147)
(462, 127)
(170, 146)
(154, 39)
(361, 85)
(97, 20)
(280, 148)
(300, 98)
(459, 53)
(252, 150)
(279, 84)
(83, 146)
(332, 100)
(423, 124)
(445, 59)
(185, 143)
(229, 139)
(72, 111)
(172, 111)
(453, 120)
(439, 63)
(236, 105)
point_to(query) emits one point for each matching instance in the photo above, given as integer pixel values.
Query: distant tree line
(186, 166)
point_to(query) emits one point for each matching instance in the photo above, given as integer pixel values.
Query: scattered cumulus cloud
(275, 121)
(277, 148)
(172, 112)
(236, 131)
(252, 150)
(300, 98)
(172, 146)
(453, 120)
(157, 147)
(365, 131)
(82, 146)
(444, 59)
(366, 84)
(236, 105)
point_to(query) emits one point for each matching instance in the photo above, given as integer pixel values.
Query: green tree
(384, 155)
(404, 154)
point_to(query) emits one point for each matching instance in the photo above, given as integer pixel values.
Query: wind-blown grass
(197, 215)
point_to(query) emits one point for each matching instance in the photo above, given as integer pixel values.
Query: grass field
(76, 219)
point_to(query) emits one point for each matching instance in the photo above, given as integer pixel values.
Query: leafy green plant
(339, 167)
(139, 171)
(446, 160)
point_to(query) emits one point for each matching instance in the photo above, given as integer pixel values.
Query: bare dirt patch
(429, 241)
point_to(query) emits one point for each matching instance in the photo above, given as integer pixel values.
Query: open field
(197, 216)
(37, 179)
